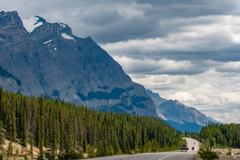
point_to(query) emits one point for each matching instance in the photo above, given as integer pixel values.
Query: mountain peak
(155, 97)
(180, 103)
(39, 28)
(63, 66)
(33, 22)
(10, 19)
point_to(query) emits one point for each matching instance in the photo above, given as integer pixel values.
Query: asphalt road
(177, 155)
(152, 156)
(192, 143)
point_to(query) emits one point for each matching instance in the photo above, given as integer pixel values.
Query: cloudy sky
(187, 50)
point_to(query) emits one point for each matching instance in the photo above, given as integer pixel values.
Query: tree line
(68, 130)
(223, 135)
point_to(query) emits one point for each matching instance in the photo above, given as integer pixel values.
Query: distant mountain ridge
(211, 120)
(38, 57)
(180, 116)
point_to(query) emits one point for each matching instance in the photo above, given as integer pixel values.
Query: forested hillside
(71, 130)
(223, 135)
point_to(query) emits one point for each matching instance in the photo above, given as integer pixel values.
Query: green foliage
(49, 156)
(1, 157)
(25, 157)
(218, 136)
(31, 146)
(17, 152)
(90, 151)
(1, 136)
(207, 155)
(100, 149)
(66, 127)
(70, 155)
(229, 149)
(222, 133)
(10, 149)
(154, 149)
(110, 150)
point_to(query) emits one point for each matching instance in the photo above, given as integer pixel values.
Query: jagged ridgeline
(66, 127)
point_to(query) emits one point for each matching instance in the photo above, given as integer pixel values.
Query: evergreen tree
(90, 151)
(31, 146)
(1, 136)
(1, 105)
(123, 139)
(10, 149)
(110, 150)
(100, 149)
(24, 131)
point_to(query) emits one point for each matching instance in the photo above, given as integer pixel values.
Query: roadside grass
(225, 157)
(198, 157)
(225, 150)
(221, 157)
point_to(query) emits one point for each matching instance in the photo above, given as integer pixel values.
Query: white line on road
(167, 156)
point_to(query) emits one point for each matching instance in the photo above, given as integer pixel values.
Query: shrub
(25, 157)
(206, 155)
(49, 156)
(90, 151)
(154, 149)
(70, 155)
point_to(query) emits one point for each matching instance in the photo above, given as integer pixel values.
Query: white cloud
(215, 93)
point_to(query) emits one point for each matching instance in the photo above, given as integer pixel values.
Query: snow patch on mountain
(47, 42)
(62, 25)
(64, 35)
(31, 23)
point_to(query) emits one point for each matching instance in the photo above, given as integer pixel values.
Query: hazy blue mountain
(191, 127)
(180, 116)
(211, 120)
(38, 57)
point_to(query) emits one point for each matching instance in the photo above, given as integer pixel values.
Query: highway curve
(177, 155)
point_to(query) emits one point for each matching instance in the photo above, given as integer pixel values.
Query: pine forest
(64, 130)
(223, 135)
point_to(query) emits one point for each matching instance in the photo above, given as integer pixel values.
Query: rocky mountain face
(38, 57)
(178, 115)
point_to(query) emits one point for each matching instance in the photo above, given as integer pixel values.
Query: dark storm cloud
(190, 8)
(101, 20)
(124, 30)
(159, 69)
(151, 23)
(225, 55)
(105, 20)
